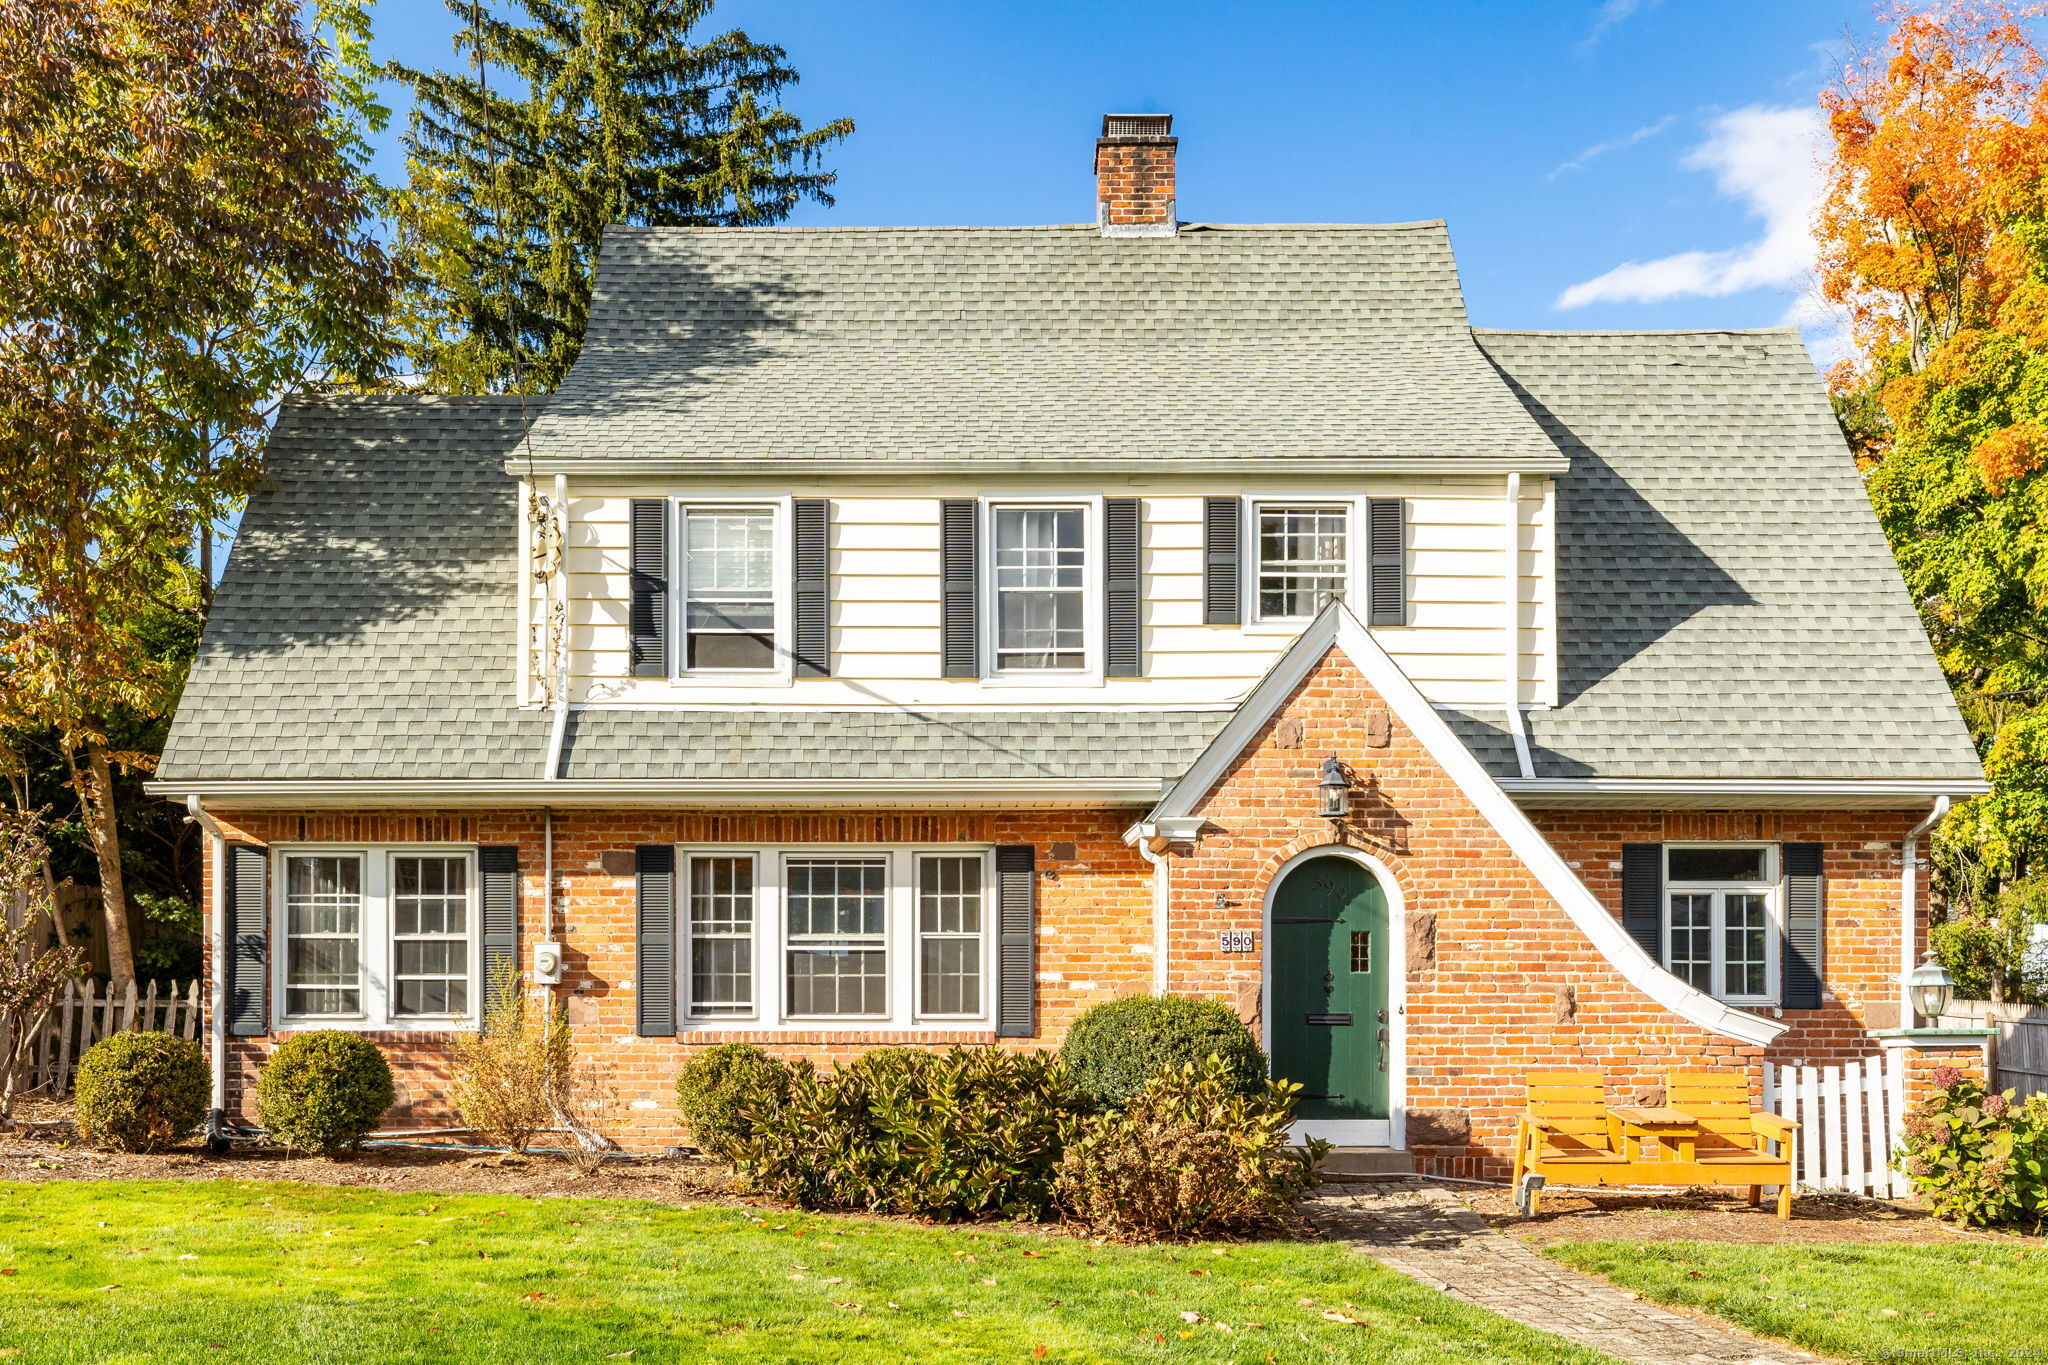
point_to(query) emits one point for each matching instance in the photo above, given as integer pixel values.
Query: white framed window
(836, 936)
(1721, 919)
(718, 923)
(379, 936)
(1043, 588)
(730, 588)
(1302, 556)
(951, 916)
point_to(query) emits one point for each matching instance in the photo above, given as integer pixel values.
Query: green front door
(1328, 960)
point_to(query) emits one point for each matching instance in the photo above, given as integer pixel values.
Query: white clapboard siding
(885, 563)
(1849, 1119)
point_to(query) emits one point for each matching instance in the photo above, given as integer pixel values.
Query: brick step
(1367, 1161)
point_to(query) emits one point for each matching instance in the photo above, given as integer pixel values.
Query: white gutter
(778, 471)
(216, 996)
(843, 792)
(1909, 906)
(1162, 897)
(1518, 728)
(1883, 793)
(561, 725)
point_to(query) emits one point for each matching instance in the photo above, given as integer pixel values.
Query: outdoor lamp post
(1931, 986)
(1335, 790)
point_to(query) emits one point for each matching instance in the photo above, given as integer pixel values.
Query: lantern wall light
(1930, 986)
(1334, 790)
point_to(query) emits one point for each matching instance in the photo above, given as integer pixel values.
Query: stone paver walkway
(1425, 1233)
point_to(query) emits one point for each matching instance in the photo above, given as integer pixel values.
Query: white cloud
(1600, 149)
(1769, 158)
(1614, 12)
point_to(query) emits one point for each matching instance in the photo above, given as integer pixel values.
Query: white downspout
(1162, 897)
(216, 1011)
(1909, 906)
(1518, 729)
(560, 728)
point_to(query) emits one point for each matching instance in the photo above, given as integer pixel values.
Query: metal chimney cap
(1137, 125)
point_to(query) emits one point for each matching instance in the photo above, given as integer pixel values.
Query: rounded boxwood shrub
(141, 1092)
(716, 1089)
(1116, 1047)
(322, 1091)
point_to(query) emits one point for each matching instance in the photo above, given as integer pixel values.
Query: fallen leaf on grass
(10, 1270)
(989, 1280)
(1190, 1316)
(1039, 1255)
(1332, 1315)
(620, 1355)
(536, 1294)
(1887, 1312)
(188, 1256)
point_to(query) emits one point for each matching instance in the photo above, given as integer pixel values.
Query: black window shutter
(647, 616)
(1804, 915)
(497, 868)
(812, 606)
(1642, 896)
(247, 906)
(1222, 602)
(1123, 649)
(654, 967)
(1017, 921)
(1386, 573)
(959, 615)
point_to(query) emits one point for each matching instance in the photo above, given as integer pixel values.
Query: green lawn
(280, 1273)
(1855, 1300)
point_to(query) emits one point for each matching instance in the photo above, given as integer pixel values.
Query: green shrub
(322, 1091)
(141, 1092)
(970, 1133)
(1190, 1155)
(714, 1090)
(1116, 1047)
(1978, 1158)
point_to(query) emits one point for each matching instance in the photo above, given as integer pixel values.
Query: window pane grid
(1745, 935)
(430, 938)
(1040, 568)
(729, 593)
(836, 914)
(1302, 560)
(721, 927)
(1692, 939)
(323, 935)
(949, 918)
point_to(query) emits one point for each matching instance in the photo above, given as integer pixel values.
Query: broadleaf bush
(1190, 1155)
(719, 1090)
(1979, 1158)
(1116, 1047)
(971, 1133)
(141, 1092)
(324, 1091)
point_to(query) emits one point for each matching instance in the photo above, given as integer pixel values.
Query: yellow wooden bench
(1703, 1134)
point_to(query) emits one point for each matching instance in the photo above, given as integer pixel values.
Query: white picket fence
(87, 1012)
(1848, 1119)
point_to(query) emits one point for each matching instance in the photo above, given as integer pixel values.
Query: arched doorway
(1330, 964)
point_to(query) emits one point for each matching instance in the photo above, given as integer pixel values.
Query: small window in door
(1361, 950)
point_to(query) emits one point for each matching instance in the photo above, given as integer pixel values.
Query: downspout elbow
(1152, 846)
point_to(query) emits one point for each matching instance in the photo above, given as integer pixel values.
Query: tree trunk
(96, 794)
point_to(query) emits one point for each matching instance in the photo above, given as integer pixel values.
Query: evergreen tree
(573, 115)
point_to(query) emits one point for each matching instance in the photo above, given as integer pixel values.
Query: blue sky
(1626, 163)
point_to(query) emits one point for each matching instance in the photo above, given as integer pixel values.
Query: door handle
(1383, 1049)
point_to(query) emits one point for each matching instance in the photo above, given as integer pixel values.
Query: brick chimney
(1134, 176)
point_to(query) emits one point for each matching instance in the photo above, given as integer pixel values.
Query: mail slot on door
(1341, 1020)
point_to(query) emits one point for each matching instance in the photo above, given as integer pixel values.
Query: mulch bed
(1717, 1216)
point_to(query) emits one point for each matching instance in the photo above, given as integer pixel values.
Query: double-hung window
(838, 937)
(1040, 558)
(728, 597)
(1303, 558)
(720, 923)
(1721, 930)
(949, 934)
(376, 936)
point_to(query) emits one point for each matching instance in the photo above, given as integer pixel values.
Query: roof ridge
(851, 228)
(423, 398)
(1634, 331)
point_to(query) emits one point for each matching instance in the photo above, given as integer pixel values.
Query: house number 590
(1238, 940)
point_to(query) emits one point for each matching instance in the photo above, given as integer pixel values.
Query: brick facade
(1499, 980)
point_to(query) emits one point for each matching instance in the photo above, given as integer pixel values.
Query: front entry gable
(1413, 783)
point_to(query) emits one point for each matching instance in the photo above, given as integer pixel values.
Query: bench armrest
(1772, 1126)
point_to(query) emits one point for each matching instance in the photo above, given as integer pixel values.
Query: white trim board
(852, 793)
(1338, 628)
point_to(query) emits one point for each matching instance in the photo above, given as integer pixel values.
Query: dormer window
(1040, 580)
(728, 589)
(1304, 558)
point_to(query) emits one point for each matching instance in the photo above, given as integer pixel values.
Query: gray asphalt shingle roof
(1727, 609)
(1729, 606)
(744, 345)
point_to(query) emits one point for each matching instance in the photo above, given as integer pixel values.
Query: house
(919, 635)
